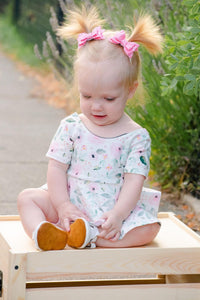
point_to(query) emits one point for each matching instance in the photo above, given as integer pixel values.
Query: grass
(13, 43)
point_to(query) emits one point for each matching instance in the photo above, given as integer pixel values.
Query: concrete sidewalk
(27, 125)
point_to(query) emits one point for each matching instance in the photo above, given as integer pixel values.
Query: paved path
(27, 125)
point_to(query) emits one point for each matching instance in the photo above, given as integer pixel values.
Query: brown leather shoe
(82, 234)
(50, 237)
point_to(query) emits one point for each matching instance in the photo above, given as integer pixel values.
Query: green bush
(32, 18)
(183, 59)
(13, 43)
(172, 112)
(3, 4)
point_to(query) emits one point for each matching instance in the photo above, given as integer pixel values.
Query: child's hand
(111, 228)
(68, 213)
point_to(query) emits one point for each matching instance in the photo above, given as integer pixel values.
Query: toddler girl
(98, 159)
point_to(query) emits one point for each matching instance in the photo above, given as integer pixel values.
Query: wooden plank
(14, 272)
(173, 234)
(171, 216)
(9, 217)
(184, 278)
(92, 283)
(4, 265)
(184, 227)
(12, 231)
(74, 264)
(17, 217)
(17, 277)
(165, 214)
(142, 292)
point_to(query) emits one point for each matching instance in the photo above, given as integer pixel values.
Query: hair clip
(120, 38)
(96, 34)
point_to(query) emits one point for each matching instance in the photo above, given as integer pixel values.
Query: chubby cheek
(119, 109)
(84, 106)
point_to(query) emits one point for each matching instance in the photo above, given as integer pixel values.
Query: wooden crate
(168, 268)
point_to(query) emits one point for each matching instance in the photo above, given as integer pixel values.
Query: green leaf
(164, 83)
(165, 91)
(189, 77)
(173, 83)
(188, 2)
(173, 56)
(188, 88)
(180, 78)
(182, 43)
(195, 9)
(195, 30)
(172, 67)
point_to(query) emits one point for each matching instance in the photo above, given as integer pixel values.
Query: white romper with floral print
(97, 166)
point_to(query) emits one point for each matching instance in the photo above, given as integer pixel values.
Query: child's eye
(86, 96)
(110, 98)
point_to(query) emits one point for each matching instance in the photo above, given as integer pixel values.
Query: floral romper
(97, 166)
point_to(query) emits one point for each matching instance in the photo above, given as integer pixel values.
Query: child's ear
(132, 89)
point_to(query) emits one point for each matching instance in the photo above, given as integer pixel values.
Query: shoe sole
(50, 237)
(78, 233)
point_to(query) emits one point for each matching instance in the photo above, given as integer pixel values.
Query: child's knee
(24, 197)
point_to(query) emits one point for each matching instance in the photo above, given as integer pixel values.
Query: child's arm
(128, 198)
(57, 188)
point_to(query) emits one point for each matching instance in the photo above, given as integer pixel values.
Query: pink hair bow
(120, 38)
(96, 34)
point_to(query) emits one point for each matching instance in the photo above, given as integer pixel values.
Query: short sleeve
(139, 154)
(61, 146)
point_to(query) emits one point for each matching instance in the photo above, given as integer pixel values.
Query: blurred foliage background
(170, 105)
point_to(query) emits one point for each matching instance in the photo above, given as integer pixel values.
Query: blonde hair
(145, 32)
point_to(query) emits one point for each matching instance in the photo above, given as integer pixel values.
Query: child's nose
(97, 104)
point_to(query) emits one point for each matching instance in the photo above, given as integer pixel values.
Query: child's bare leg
(138, 236)
(34, 206)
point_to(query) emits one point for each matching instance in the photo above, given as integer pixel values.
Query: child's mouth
(99, 116)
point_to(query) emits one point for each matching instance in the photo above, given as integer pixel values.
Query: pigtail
(78, 21)
(147, 33)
